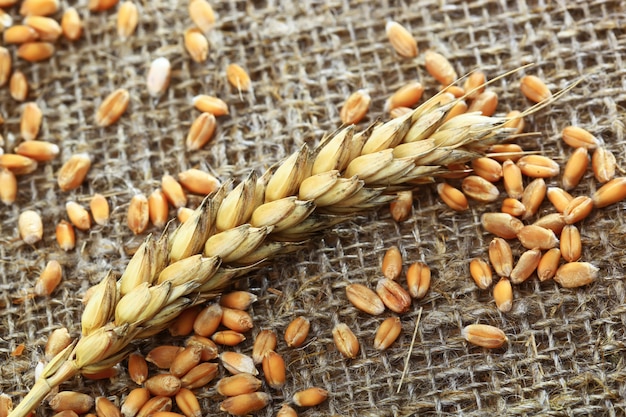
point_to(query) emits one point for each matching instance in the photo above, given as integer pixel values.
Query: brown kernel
(481, 273)
(201, 131)
(365, 299)
(263, 343)
(577, 209)
(503, 295)
(480, 189)
(6, 405)
(387, 333)
(453, 198)
(39, 7)
(238, 384)
(183, 324)
(210, 104)
(137, 368)
(208, 320)
(99, 209)
(274, 369)
(47, 28)
(138, 214)
(158, 210)
(396, 298)
(399, 112)
(244, 404)
(532, 237)
(571, 246)
(17, 164)
(165, 385)
(484, 335)
(101, 5)
(418, 279)
(5, 65)
(58, 340)
(173, 191)
(135, 399)
(406, 96)
(503, 151)
(196, 45)
(105, 408)
(474, 84)
(71, 24)
(576, 274)
(401, 40)
(30, 122)
(127, 19)
(163, 356)
(35, 51)
(237, 363)
(487, 168)
(552, 221)
(112, 107)
(538, 166)
(38, 150)
(188, 403)
(603, 164)
(8, 186)
(19, 34)
(534, 89)
(69, 400)
(208, 347)
(237, 320)
(486, 103)
(18, 86)
(202, 14)
(533, 196)
(513, 207)
(392, 263)
(346, 342)
(355, 107)
(238, 77)
(228, 337)
(297, 331)
(400, 208)
(198, 182)
(577, 137)
(610, 193)
(501, 256)
(310, 397)
(440, 68)
(516, 121)
(49, 279)
(559, 198)
(200, 375)
(526, 265)
(286, 411)
(155, 405)
(575, 168)
(549, 264)
(501, 224)
(239, 300)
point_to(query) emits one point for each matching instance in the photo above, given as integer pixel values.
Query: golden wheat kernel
(38, 150)
(208, 347)
(8, 186)
(78, 215)
(515, 121)
(200, 132)
(484, 335)
(537, 237)
(577, 137)
(208, 320)
(577, 209)
(73, 172)
(30, 122)
(487, 168)
(552, 221)
(6, 405)
(210, 104)
(30, 226)
(486, 103)
(310, 397)
(459, 108)
(481, 273)
(533, 196)
(513, 207)
(17, 164)
(185, 360)
(274, 369)
(418, 279)
(138, 214)
(571, 246)
(501, 224)
(575, 168)
(71, 24)
(238, 384)
(345, 340)
(158, 210)
(549, 264)
(164, 385)
(105, 408)
(603, 164)
(525, 266)
(198, 182)
(286, 411)
(202, 14)
(173, 191)
(99, 207)
(364, 299)
(501, 256)
(559, 198)
(455, 90)
(35, 51)
(538, 166)
(18, 86)
(155, 405)
(237, 363)
(239, 300)
(5, 65)
(137, 368)
(440, 68)
(479, 189)
(238, 77)
(58, 340)
(127, 19)
(245, 404)
(133, 402)
(399, 112)
(395, 298)
(502, 152)
(474, 84)
(183, 324)
(355, 107)
(264, 342)
(401, 40)
(49, 279)
(576, 274)
(392, 263)
(406, 96)
(69, 400)
(387, 333)
(47, 28)
(610, 193)
(101, 5)
(228, 337)
(39, 7)
(183, 213)
(453, 198)
(196, 45)
(534, 89)
(20, 34)
(400, 208)
(200, 375)
(112, 107)
(503, 295)
(237, 320)
(297, 331)
(166, 414)
(187, 402)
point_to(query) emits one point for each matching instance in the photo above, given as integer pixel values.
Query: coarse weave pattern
(567, 347)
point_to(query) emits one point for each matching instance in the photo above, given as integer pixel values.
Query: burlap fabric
(566, 350)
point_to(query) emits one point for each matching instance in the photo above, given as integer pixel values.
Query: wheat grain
(8, 186)
(238, 384)
(35, 51)
(577, 209)
(365, 299)
(30, 123)
(503, 295)
(71, 24)
(112, 107)
(188, 403)
(39, 7)
(18, 86)
(533, 196)
(30, 226)
(47, 28)
(5, 65)
(127, 20)
(387, 333)
(297, 331)
(577, 137)
(401, 40)
(571, 246)
(575, 168)
(603, 164)
(481, 273)
(20, 34)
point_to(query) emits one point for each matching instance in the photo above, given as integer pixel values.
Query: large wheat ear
(233, 231)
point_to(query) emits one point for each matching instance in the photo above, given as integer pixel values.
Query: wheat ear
(233, 231)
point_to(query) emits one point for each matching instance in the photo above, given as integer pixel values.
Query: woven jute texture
(566, 348)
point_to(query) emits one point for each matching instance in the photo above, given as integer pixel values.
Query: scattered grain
(610, 193)
(536, 237)
(188, 403)
(30, 226)
(127, 19)
(69, 400)
(5, 66)
(481, 273)
(549, 264)
(487, 168)
(101, 5)
(401, 40)
(355, 107)
(534, 89)
(19, 34)
(30, 123)
(196, 45)
(501, 224)
(200, 375)
(603, 164)
(526, 265)
(18, 86)
(71, 24)
(484, 335)
(440, 68)
(138, 214)
(501, 257)
(238, 384)
(577, 137)
(453, 198)
(575, 168)
(406, 96)
(112, 107)
(238, 77)
(99, 207)
(533, 196)
(387, 333)
(244, 404)
(513, 207)
(49, 279)
(577, 209)
(237, 363)
(538, 166)
(210, 104)
(137, 368)
(486, 103)
(396, 298)
(8, 186)
(474, 84)
(202, 14)
(78, 216)
(576, 274)
(47, 28)
(200, 132)
(39, 7)
(503, 295)
(418, 279)
(480, 189)
(274, 369)
(208, 320)
(38, 150)
(310, 397)
(365, 299)
(35, 51)
(17, 164)
(297, 331)
(559, 198)
(158, 209)
(164, 385)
